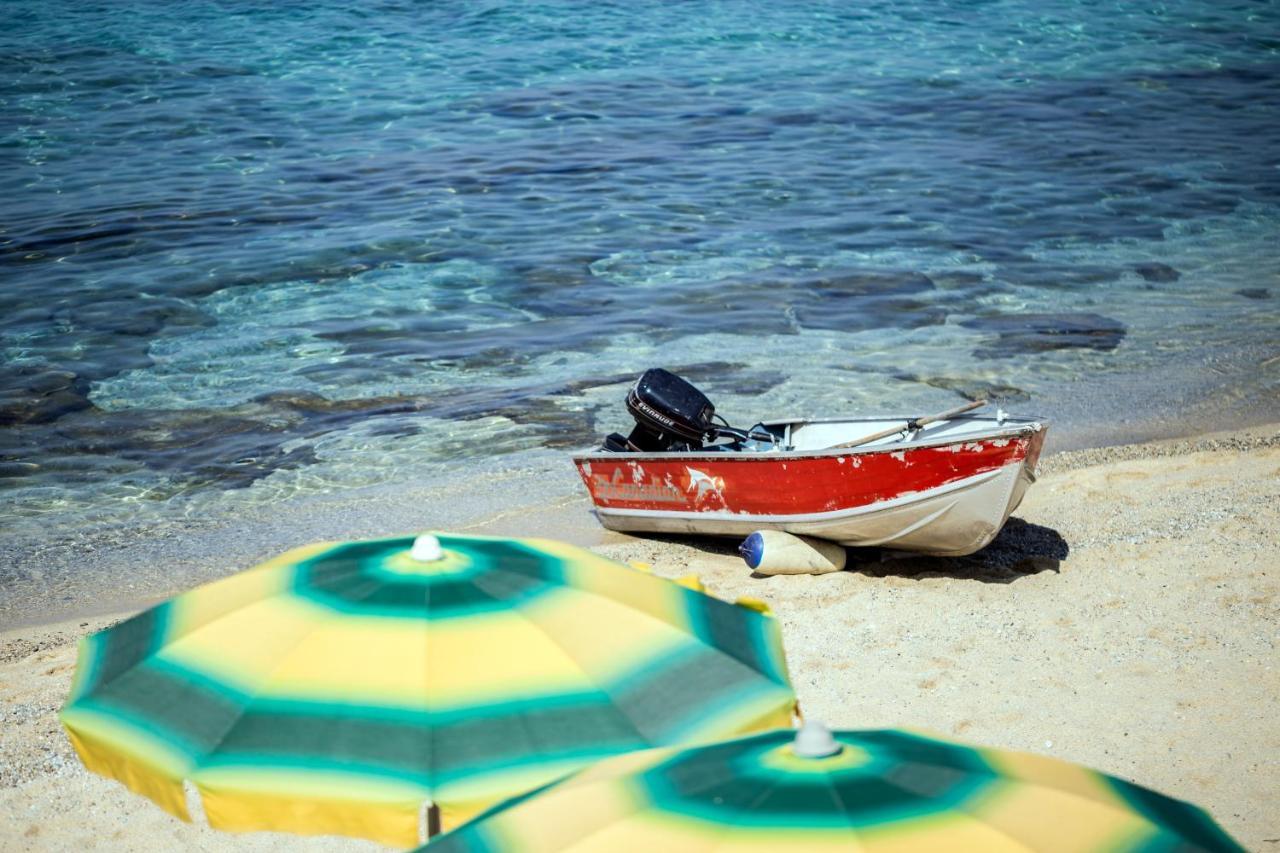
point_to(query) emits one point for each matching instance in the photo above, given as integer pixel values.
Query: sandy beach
(1127, 619)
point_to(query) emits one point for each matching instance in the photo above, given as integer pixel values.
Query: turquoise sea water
(253, 251)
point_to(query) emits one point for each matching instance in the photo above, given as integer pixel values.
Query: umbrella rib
(519, 610)
(647, 618)
(845, 811)
(280, 662)
(432, 752)
(1017, 842)
(196, 759)
(590, 679)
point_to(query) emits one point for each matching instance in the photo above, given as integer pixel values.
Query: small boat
(941, 485)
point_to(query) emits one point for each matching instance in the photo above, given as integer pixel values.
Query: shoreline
(1125, 619)
(123, 568)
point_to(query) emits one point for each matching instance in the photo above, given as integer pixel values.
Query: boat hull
(947, 498)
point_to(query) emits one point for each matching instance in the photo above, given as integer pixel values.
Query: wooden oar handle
(918, 422)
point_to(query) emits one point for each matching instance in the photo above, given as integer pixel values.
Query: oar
(914, 424)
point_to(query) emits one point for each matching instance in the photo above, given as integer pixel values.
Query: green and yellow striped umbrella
(870, 791)
(339, 688)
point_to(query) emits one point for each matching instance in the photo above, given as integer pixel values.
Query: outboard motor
(671, 415)
(674, 417)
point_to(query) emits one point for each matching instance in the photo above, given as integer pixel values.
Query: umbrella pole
(428, 821)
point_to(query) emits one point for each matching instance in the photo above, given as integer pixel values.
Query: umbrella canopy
(339, 687)
(877, 791)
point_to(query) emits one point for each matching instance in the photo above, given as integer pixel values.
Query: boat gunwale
(1010, 428)
(834, 515)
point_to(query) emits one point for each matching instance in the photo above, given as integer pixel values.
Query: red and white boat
(942, 487)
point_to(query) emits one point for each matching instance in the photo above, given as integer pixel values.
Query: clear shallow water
(252, 254)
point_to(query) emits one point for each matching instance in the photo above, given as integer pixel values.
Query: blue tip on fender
(752, 550)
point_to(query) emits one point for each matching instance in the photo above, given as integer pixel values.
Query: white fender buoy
(774, 552)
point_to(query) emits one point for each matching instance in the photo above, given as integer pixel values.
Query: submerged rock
(1080, 277)
(1157, 272)
(136, 315)
(1019, 334)
(869, 313)
(17, 469)
(861, 301)
(971, 389)
(871, 283)
(1254, 293)
(41, 394)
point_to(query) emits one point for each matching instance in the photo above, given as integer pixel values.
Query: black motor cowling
(671, 415)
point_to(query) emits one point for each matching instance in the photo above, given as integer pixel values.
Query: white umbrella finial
(426, 549)
(814, 740)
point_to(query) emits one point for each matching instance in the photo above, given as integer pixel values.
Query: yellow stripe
(559, 817)
(950, 831)
(392, 823)
(311, 802)
(213, 601)
(291, 648)
(773, 710)
(1041, 770)
(755, 604)
(142, 763)
(243, 647)
(607, 639)
(86, 652)
(1068, 818)
(616, 815)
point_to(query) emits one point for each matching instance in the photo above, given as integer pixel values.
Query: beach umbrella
(341, 688)
(817, 791)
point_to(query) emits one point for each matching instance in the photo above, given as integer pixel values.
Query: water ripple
(272, 232)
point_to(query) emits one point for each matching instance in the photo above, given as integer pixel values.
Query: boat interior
(825, 433)
(672, 416)
(822, 434)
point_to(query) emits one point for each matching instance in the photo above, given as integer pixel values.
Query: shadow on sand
(1021, 549)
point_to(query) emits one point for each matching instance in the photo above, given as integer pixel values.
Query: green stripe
(737, 631)
(1181, 824)
(432, 753)
(169, 703)
(677, 692)
(201, 717)
(348, 579)
(908, 778)
(125, 645)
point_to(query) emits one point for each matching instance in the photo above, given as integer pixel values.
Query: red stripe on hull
(767, 484)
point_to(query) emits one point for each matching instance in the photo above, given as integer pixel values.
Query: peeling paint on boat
(935, 496)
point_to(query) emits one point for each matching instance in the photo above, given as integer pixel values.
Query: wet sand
(1127, 618)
